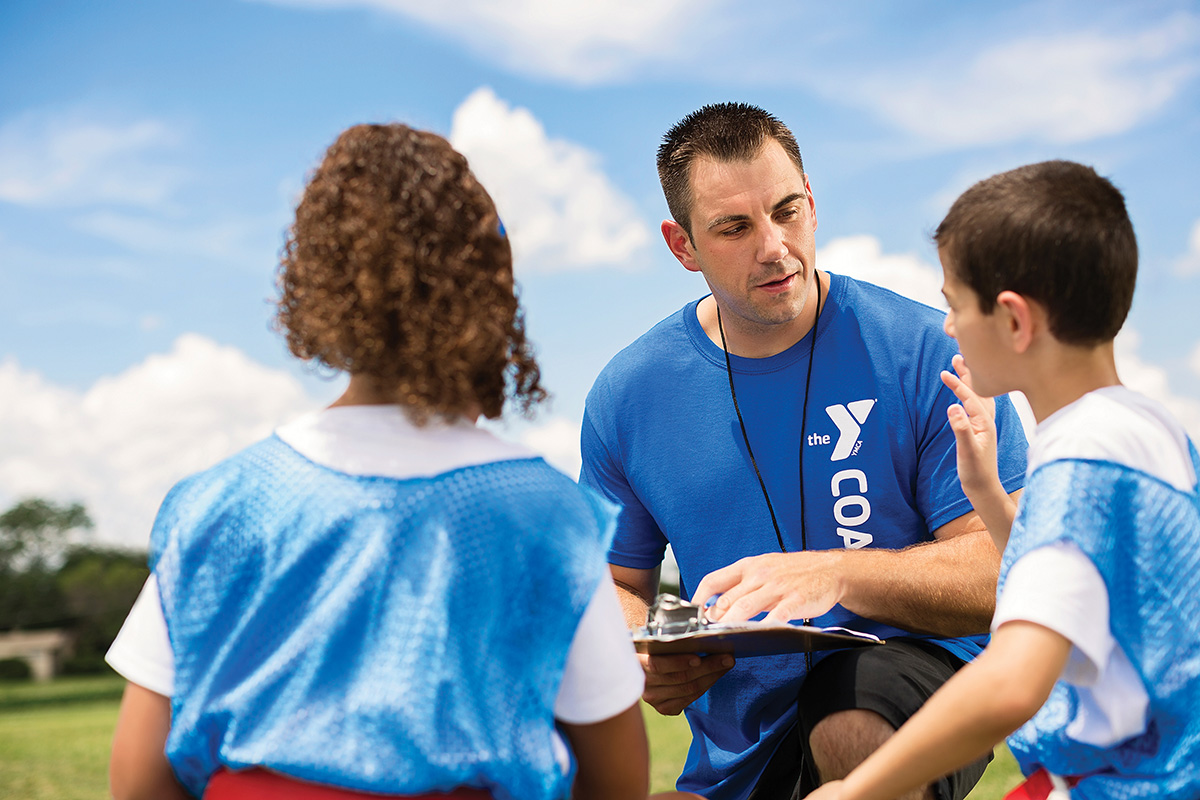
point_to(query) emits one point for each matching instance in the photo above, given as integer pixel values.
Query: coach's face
(753, 225)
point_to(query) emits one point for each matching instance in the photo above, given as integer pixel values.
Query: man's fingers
(743, 601)
(787, 613)
(671, 693)
(717, 582)
(728, 585)
(670, 664)
(694, 667)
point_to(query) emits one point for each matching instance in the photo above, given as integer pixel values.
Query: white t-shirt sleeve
(603, 676)
(141, 653)
(1058, 587)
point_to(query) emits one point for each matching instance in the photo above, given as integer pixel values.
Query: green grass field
(54, 742)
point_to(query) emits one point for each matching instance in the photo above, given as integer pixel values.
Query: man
(790, 431)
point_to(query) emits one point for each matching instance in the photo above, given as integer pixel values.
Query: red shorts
(259, 784)
(1039, 786)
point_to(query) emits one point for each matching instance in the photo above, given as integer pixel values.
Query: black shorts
(893, 681)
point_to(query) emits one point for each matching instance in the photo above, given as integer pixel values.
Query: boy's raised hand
(974, 424)
(973, 421)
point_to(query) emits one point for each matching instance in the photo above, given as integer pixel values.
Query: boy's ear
(1022, 318)
(680, 244)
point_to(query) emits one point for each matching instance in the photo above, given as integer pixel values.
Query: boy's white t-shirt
(602, 677)
(1058, 587)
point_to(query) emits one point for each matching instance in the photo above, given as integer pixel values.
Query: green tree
(34, 540)
(35, 531)
(99, 586)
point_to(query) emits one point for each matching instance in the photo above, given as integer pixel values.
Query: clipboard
(677, 626)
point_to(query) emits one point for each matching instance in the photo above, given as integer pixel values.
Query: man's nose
(771, 246)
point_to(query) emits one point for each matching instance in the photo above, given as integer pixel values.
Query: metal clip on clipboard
(674, 625)
(670, 615)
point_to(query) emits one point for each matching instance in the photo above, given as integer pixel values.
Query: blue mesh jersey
(660, 437)
(1143, 535)
(377, 634)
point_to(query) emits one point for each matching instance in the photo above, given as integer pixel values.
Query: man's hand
(789, 585)
(674, 681)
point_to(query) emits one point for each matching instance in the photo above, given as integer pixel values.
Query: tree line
(51, 576)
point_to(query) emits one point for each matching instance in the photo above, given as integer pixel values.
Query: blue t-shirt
(661, 438)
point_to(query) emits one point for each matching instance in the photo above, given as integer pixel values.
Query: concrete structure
(41, 649)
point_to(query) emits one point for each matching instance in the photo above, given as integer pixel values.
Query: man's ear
(680, 244)
(1023, 318)
(812, 203)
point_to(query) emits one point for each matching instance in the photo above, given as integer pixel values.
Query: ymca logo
(849, 420)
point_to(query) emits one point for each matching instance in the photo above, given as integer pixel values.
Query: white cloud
(1189, 263)
(862, 257)
(1058, 88)
(574, 40)
(243, 240)
(119, 446)
(1154, 381)
(556, 440)
(560, 209)
(75, 159)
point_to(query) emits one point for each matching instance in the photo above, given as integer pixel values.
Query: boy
(328, 614)
(1099, 596)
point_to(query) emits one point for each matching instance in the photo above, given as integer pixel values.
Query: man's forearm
(945, 587)
(633, 604)
(635, 589)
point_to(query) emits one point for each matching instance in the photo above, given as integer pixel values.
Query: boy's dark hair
(396, 268)
(722, 131)
(1055, 232)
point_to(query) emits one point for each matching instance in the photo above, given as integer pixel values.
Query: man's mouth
(780, 284)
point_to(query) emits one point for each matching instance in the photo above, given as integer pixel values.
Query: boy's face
(980, 336)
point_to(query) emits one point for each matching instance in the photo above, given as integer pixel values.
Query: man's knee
(843, 740)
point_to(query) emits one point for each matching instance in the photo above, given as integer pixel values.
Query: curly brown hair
(397, 269)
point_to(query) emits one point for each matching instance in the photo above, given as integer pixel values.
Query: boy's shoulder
(1118, 426)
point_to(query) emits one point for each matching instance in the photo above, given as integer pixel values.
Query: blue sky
(151, 153)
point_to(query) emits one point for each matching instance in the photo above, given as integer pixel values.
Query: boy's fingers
(960, 366)
(972, 403)
(960, 388)
(960, 423)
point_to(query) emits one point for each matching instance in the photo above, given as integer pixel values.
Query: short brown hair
(722, 131)
(397, 268)
(1055, 232)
